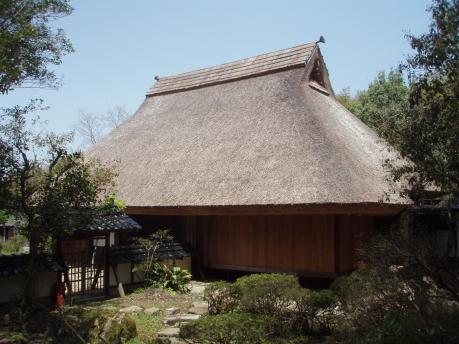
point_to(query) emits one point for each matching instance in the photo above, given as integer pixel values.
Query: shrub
(315, 311)
(267, 293)
(222, 297)
(235, 327)
(14, 245)
(172, 278)
(397, 327)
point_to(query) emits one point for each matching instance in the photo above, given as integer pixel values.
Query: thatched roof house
(263, 135)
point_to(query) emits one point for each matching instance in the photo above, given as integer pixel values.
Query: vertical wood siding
(284, 243)
(292, 243)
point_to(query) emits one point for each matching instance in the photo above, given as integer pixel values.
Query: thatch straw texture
(263, 140)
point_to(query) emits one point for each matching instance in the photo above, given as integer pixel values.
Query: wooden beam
(376, 209)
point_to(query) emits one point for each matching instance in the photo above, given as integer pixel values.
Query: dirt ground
(53, 326)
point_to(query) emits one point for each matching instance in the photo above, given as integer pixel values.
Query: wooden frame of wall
(319, 243)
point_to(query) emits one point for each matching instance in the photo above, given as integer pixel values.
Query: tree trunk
(31, 274)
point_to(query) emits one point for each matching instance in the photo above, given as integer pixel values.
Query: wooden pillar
(337, 243)
(107, 264)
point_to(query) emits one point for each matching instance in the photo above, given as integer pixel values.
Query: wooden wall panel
(352, 232)
(296, 243)
(284, 243)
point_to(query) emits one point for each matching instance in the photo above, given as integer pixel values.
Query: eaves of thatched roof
(264, 131)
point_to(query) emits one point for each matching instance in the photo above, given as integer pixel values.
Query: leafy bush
(222, 297)
(235, 327)
(14, 245)
(315, 311)
(172, 278)
(396, 327)
(267, 293)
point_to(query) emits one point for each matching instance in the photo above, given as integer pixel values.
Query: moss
(147, 326)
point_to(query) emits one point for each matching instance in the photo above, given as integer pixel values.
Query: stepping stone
(200, 308)
(152, 311)
(169, 332)
(131, 309)
(171, 310)
(174, 340)
(197, 289)
(181, 318)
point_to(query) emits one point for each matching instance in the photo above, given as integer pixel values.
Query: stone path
(174, 316)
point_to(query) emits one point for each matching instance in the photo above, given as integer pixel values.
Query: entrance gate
(85, 267)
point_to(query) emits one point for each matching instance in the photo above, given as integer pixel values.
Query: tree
(91, 127)
(428, 132)
(382, 104)
(408, 274)
(54, 189)
(29, 43)
(115, 116)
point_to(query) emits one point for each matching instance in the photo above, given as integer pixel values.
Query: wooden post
(107, 264)
(118, 283)
(337, 243)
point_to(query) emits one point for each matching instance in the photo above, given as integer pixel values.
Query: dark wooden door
(85, 267)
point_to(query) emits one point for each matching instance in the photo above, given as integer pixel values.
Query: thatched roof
(260, 131)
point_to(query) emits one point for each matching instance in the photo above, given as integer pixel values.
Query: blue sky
(121, 45)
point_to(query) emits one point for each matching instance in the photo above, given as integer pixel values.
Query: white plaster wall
(124, 274)
(11, 287)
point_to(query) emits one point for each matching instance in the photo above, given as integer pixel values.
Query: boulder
(197, 289)
(152, 311)
(131, 309)
(116, 330)
(199, 308)
(171, 310)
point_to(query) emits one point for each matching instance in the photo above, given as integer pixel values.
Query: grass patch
(147, 327)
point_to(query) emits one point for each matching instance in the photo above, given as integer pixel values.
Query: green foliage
(29, 42)
(429, 132)
(147, 327)
(315, 311)
(385, 304)
(396, 327)
(236, 327)
(353, 104)
(267, 293)
(4, 216)
(301, 311)
(117, 329)
(381, 105)
(171, 278)
(111, 204)
(14, 245)
(222, 297)
(160, 275)
(53, 189)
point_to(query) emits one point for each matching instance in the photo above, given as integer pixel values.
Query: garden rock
(152, 311)
(199, 308)
(171, 310)
(181, 318)
(131, 309)
(116, 330)
(169, 332)
(197, 288)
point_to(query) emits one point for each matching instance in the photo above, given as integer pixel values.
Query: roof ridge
(247, 67)
(238, 60)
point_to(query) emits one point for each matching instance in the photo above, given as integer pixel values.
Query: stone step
(199, 308)
(181, 318)
(169, 332)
